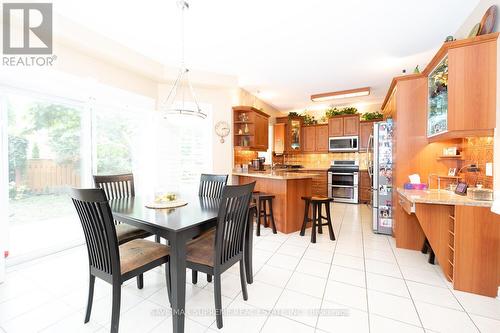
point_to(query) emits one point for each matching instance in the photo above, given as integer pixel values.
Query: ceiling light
(182, 86)
(341, 94)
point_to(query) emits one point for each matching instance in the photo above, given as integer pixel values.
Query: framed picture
(452, 172)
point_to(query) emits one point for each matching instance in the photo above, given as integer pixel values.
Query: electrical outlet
(489, 169)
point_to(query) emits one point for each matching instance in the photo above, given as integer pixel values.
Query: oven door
(342, 178)
(342, 193)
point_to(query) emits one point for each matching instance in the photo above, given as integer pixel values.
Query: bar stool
(263, 200)
(317, 204)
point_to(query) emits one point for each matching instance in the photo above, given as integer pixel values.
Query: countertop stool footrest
(263, 201)
(317, 203)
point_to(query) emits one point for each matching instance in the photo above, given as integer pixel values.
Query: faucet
(438, 179)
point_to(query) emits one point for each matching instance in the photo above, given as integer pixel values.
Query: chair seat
(126, 233)
(201, 250)
(139, 252)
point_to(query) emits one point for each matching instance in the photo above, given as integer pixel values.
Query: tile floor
(361, 283)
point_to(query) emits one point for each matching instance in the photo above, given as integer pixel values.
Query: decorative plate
(165, 205)
(488, 21)
(475, 30)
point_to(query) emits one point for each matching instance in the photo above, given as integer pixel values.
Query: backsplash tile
(478, 151)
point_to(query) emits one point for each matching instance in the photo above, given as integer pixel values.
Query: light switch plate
(489, 169)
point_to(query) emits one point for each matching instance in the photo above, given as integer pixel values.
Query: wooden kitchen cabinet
(319, 182)
(347, 125)
(365, 130)
(365, 192)
(321, 138)
(279, 138)
(309, 139)
(251, 128)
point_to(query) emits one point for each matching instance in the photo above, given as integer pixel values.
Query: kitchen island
(288, 188)
(463, 233)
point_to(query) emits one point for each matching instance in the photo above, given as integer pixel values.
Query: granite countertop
(282, 175)
(441, 197)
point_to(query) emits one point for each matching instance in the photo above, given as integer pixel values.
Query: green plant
(372, 116)
(333, 111)
(308, 119)
(18, 151)
(35, 152)
(293, 114)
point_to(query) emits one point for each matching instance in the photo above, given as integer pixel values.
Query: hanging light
(182, 86)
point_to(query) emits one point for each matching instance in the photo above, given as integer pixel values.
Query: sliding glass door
(48, 150)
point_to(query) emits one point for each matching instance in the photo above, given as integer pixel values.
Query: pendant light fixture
(175, 104)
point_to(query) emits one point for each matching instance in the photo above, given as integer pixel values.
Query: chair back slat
(116, 186)
(231, 223)
(97, 223)
(211, 186)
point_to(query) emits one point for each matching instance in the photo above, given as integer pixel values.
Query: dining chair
(216, 251)
(211, 186)
(116, 187)
(108, 260)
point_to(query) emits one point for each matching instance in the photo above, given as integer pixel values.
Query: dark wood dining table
(178, 226)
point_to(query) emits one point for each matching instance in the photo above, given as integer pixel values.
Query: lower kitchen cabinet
(319, 182)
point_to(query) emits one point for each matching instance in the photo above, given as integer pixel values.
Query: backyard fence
(48, 176)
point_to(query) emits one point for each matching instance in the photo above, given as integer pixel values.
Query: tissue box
(410, 186)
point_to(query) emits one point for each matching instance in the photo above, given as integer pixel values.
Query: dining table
(178, 226)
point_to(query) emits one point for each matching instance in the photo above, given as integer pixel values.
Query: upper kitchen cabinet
(365, 131)
(292, 133)
(347, 125)
(315, 139)
(251, 128)
(462, 89)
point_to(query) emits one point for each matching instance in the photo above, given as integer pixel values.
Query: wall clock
(222, 130)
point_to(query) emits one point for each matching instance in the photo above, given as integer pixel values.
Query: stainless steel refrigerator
(380, 166)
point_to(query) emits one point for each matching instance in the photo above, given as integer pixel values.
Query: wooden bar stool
(263, 200)
(317, 204)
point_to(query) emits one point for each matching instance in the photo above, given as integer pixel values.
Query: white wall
(462, 32)
(3, 190)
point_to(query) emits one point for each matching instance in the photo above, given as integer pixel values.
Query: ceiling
(286, 50)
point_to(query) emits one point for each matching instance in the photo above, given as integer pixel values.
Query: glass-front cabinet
(295, 134)
(437, 117)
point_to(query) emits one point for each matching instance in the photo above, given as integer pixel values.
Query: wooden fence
(47, 176)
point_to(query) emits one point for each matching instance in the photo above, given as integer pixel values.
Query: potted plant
(372, 116)
(333, 111)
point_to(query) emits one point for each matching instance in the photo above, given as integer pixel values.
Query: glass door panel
(46, 142)
(437, 120)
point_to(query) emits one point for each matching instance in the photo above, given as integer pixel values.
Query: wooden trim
(437, 58)
(341, 92)
(249, 109)
(460, 134)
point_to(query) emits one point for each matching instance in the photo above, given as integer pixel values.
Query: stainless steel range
(343, 181)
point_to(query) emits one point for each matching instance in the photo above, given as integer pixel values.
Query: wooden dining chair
(108, 260)
(216, 251)
(211, 186)
(116, 187)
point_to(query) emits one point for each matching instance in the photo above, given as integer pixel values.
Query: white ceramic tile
(22, 304)
(230, 285)
(242, 318)
(380, 324)
(479, 305)
(380, 255)
(72, 323)
(263, 295)
(261, 254)
(268, 245)
(486, 325)
(299, 307)
(142, 318)
(38, 318)
(101, 309)
(201, 307)
(319, 255)
(352, 320)
(383, 268)
(346, 294)
(15, 284)
(347, 275)
(291, 250)
(422, 276)
(190, 326)
(307, 284)
(315, 268)
(272, 275)
(394, 307)
(161, 296)
(281, 324)
(434, 295)
(283, 261)
(387, 284)
(348, 261)
(152, 283)
(444, 320)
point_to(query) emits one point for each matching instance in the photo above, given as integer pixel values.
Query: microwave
(343, 143)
